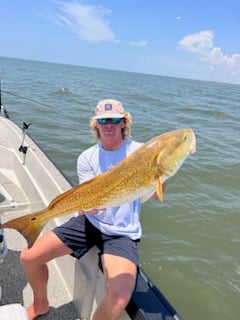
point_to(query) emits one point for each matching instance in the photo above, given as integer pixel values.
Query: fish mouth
(192, 147)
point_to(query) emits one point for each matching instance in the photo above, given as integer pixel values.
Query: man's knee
(25, 257)
(121, 295)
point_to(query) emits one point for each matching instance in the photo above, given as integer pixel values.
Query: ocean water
(191, 242)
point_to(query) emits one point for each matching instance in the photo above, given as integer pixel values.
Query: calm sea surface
(191, 242)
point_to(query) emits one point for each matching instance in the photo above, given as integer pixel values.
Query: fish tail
(29, 226)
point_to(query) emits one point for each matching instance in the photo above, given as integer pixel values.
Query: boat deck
(16, 290)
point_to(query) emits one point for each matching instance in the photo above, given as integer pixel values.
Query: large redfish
(138, 176)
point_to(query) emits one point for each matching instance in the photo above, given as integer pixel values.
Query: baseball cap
(109, 108)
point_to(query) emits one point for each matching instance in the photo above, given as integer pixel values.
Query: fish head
(173, 148)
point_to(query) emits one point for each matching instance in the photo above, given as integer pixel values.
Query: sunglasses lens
(116, 120)
(103, 121)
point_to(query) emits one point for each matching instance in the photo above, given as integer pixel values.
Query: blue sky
(179, 38)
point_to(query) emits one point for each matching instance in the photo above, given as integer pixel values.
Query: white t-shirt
(123, 220)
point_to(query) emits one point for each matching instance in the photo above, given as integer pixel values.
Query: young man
(114, 231)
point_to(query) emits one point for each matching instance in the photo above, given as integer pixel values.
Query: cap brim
(109, 115)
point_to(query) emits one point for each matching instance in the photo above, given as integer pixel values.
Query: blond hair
(126, 131)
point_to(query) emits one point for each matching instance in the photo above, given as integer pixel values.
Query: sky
(176, 38)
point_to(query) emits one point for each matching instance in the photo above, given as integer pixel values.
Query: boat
(29, 180)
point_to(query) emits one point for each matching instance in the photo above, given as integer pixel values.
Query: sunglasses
(109, 120)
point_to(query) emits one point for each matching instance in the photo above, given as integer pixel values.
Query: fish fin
(160, 189)
(29, 226)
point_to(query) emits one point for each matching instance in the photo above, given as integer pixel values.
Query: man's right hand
(92, 211)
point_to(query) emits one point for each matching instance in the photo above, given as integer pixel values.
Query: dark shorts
(80, 236)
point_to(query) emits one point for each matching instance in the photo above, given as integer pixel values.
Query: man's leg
(120, 276)
(34, 264)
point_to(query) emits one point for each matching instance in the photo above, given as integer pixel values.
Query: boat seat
(13, 311)
(11, 196)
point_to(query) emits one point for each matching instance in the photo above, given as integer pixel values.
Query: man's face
(110, 129)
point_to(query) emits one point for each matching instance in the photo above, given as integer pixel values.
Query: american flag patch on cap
(108, 107)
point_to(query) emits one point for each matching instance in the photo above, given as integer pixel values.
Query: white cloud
(142, 43)
(201, 43)
(89, 22)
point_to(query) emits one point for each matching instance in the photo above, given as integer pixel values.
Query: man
(115, 231)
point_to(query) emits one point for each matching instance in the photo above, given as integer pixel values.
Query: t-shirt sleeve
(133, 146)
(84, 169)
